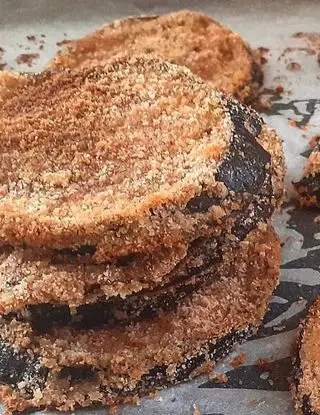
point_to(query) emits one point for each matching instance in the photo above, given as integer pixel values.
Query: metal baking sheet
(259, 386)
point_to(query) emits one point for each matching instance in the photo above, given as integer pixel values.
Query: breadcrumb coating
(188, 38)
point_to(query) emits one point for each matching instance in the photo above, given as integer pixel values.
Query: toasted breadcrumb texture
(306, 382)
(308, 187)
(27, 278)
(271, 142)
(313, 165)
(187, 38)
(121, 357)
(96, 165)
(130, 145)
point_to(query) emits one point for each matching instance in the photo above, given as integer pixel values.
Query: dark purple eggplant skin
(18, 366)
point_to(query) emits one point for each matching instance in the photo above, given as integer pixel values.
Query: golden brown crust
(27, 278)
(94, 176)
(96, 166)
(238, 300)
(313, 165)
(306, 389)
(192, 39)
(309, 186)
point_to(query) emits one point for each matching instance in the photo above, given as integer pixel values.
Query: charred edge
(19, 367)
(21, 370)
(123, 311)
(245, 168)
(117, 311)
(202, 203)
(309, 187)
(81, 251)
(146, 303)
(158, 376)
(306, 406)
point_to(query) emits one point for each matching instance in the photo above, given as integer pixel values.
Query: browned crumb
(314, 140)
(279, 89)
(63, 42)
(262, 54)
(27, 58)
(196, 411)
(120, 192)
(31, 38)
(219, 377)
(306, 51)
(293, 123)
(206, 368)
(307, 377)
(2, 63)
(294, 67)
(187, 38)
(313, 39)
(123, 355)
(239, 360)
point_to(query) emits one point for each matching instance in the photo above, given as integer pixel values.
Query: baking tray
(259, 385)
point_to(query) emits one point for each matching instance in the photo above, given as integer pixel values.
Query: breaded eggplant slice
(125, 158)
(52, 284)
(306, 376)
(188, 38)
(309, 186)
(68, 368)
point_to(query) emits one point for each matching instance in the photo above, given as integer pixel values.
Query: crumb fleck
(63, 42)
(262, 52)
(317, 219)
(31, 38)
(314, 140)
(218, 377)
(294, 67)
(293, 123)
(27, 58)
(2, 63)
(279, 89)
(238, 360)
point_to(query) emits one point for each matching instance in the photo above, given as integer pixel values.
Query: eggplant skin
(309, 189)
(18, 367)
